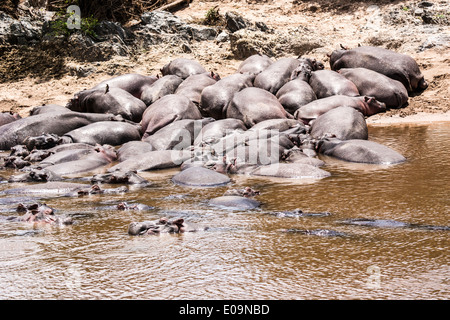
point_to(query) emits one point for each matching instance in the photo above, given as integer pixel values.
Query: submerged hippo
(326, 83)
(291, 171)
(114, 101)
(163, 225)
(395, 65)
(215, 98)
(255, 64)
(316, 232)
(234, 202)
(367, 105)
(166, 110)
(118, 177)
(160, 88)
(104, 132)
(253, 105)
(216, 130)
(39, 213)
(362, 151)
(343, 123)
(385, 223)
(200, 177)
(371, 83)
(49, 123)
(183, 68)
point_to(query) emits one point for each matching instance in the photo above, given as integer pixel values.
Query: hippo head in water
(38, 212)
(108, 151)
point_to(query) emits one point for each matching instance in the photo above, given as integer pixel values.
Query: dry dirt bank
(397, 25)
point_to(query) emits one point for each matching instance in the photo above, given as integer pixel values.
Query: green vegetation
(213, 17)
(59, 26)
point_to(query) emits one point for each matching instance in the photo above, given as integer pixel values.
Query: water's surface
(244, 255)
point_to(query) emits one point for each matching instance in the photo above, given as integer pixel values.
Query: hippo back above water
(183, 68)
(395, 65)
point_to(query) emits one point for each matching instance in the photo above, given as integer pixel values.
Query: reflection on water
(244, 255)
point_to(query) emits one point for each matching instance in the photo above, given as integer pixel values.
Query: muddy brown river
(243, 255)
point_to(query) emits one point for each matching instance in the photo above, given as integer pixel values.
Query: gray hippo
(371, 83)
(385, 223)
(117, 177)
(276, 75)
(183, 68)
(48, 108)
(35, 175)
(253, 105)
(215, 98)
(344, 123)
(395, 65)
(131, 149)
(361, 151)
(280, 125)
(234, 202)
(200, 177)
(132, 83)
(160, 88)
(291, 171)
(162, 225)
(255, 64)
(193, 86)
(177, 135)
(153, 160)
(316, 232)
(111, 100)
(8, 117)
(16, 132)
(45, 141)
(294, 94)
(166, 110)
(327, 83)
(47, 188)
(216, 130)
(77, 152)
(104, 132)
(39, 213)
(367, 105)
(102, 156)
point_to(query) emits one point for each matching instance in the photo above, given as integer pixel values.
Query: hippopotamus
(344, 123)
(162, 225)
(16, 132)
(132, 83)
(361, 151)
(200, 177)
(45, 141)
(15, 162)
(255, 64)
(297, 155)
(317, 232)
(279, 125)
(385, 223)
(298, 213)
(245, 192)
(35, 175)
(39, 213)
(8, 117)
(104, 132)
(177, 135)
(367, 105)
(135, 206)
(130, 177)
(234, 202)
(160, 88)
(327, 83)
(102, 156)
(371, 83)
(216, 130)
(153, 160)
(215, 98)
(60, 155)
(193, 86)
(38, 155)
(47, 188)
(294, 94)
(395, 65)
(131, 149)
(48, 108)
(291, 171)
(166, 110)
(253, 105)
(114, 101)
(19, 150)
(276, 75)
(183, 68)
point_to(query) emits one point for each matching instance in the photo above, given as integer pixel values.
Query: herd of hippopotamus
(270, 118)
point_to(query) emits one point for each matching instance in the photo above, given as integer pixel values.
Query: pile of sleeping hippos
(270, 118)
